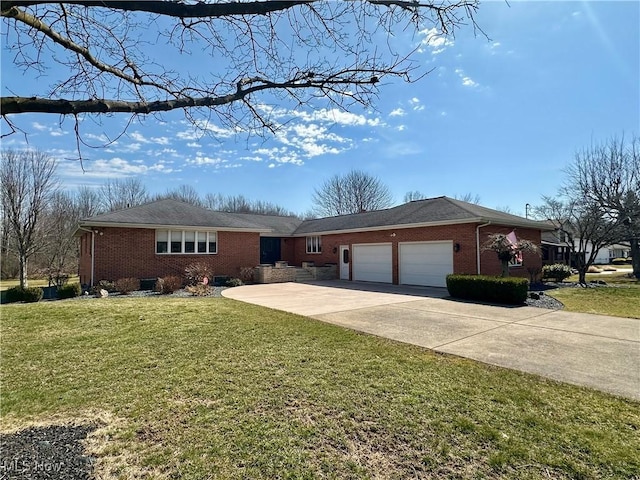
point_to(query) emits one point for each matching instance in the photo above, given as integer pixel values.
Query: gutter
(93, 249)
(478, 244)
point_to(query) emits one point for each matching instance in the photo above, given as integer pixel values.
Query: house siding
(464, 261)
(130, 252)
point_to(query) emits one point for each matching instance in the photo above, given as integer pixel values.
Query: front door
(269, 249)
(344, 262)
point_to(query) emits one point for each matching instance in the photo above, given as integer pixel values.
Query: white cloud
(39, 126)
(398, 112)
(115, 167)
(202, 159)
(435, 41)
(138, 137)
(416, 105)
(466, 80)
(193, 145)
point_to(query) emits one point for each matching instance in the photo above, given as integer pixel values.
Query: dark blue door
(269, 249)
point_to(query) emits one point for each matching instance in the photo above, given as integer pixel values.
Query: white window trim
(514, 263)
(182, 242)
(316, 244)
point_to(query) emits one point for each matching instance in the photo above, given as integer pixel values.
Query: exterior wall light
(456, 247)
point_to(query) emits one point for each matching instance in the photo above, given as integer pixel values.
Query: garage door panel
(372, 263)
(425, 264)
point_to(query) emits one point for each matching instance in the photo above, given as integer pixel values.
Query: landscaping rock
(102, 293)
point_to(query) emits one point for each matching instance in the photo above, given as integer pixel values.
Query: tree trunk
(635, 257)
(582, 275)
(505, 268)
(23, 271)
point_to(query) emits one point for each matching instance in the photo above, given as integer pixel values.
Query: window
(516, 261)
(185, 241)
(314, 245)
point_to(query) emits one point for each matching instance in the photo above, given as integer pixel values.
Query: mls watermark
(28, 466)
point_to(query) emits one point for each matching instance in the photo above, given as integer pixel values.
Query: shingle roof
(171, 212)
(429, 211)
(439, 210)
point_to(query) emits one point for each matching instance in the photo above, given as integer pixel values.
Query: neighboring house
(417, 243)
(556, 250)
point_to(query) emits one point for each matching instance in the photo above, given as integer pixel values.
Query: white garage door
(372, 263)
(425, 263)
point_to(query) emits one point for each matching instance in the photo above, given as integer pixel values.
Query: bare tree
(414, 195)
(300, 50)
(609, 174)
(119, 194)
(60, 250)
(469, 198)
(184, 193)
(354, 192)
(240, 204)
(28, 181)
(584, 226)
(88, 202)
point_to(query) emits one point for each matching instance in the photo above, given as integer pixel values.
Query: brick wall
(464, 261)
(130, 252)
(489, 260)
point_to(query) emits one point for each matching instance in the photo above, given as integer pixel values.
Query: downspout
(93, 249)
(478, 245)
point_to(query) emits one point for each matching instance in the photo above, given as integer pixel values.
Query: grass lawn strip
(213, 388)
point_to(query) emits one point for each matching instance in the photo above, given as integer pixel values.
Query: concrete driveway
(590, 350)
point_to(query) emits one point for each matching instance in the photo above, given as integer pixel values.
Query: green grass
(212, 388)
(622, 301)
(33, 282)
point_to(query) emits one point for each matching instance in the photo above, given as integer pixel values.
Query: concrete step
(303, 276)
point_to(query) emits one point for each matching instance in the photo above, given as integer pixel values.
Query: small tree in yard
(508, 248)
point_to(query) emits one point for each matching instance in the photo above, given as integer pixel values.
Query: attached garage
(372, 262)
(425, 263)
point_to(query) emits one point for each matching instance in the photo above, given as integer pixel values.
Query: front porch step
(303, 275)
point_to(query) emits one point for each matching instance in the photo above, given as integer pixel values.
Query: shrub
(69, 290)
(199, 290)
(27, 294)
(510, 290)
(168, 284)
(234, 282)
(197, 272)
(557, 271)
(618, 261)
(127, 285)
(247, 274)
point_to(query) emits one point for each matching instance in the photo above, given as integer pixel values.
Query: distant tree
(353, 192)
(184, 193)
(469, 198)
(609, 175)
(414, 195)
(119, 194)
(116, 57)
(240, 204)
(584, 225)
(508, 248)
(59, 254)
(28, 181)
(88, 202)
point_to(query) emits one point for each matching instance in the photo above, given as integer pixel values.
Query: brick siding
(130, 252)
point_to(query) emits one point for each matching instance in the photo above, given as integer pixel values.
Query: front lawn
(212, 388)
(621, 301)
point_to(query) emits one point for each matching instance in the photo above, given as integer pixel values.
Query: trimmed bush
(168, 284)
(104, 285)
(234, 282)
(127, 285)
(557, 271)
(13, 294)
(27, 295)
(70, 290)
(509, 290)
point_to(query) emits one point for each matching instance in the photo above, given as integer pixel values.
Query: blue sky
(498, 117)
